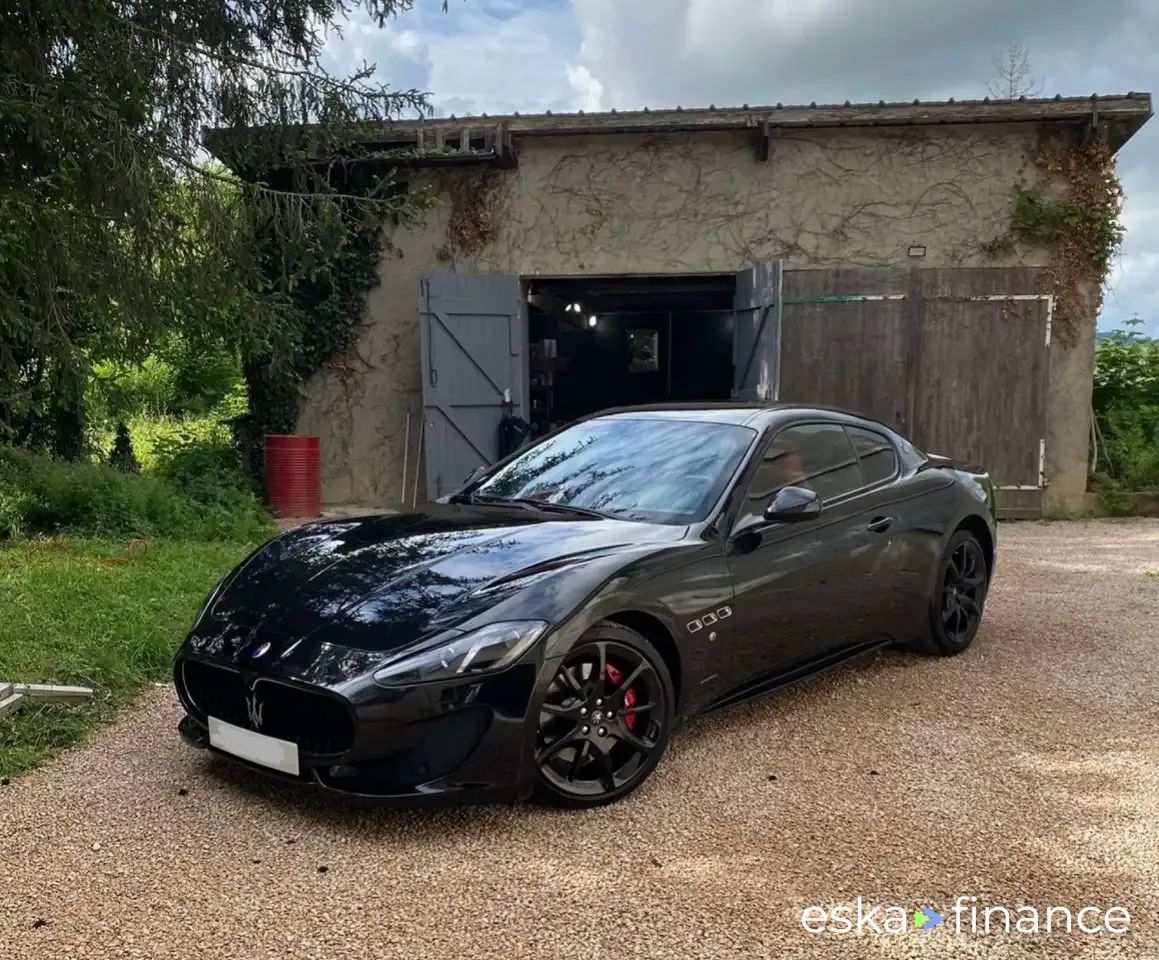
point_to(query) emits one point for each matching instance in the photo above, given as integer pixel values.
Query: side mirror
(793, 503)
(475, 474)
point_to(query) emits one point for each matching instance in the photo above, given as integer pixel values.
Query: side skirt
(802, 671)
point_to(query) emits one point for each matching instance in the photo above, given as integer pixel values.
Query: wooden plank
(54, 693)
(11, 704)
(846, 341)
(14, 696)
(1019, 504)
(981, 382)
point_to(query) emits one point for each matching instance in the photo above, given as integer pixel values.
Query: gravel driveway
(1023, 772)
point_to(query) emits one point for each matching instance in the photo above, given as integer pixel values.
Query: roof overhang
(484, 139)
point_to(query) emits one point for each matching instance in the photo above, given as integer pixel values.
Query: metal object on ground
(14, 695)
(293, 475)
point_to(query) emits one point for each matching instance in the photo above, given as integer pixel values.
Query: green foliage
(1038, 221)
(180, 378)
(39, 495)
(98, 613)
(1126, 404)
(329, 305)
(113, 229)
(155, 438)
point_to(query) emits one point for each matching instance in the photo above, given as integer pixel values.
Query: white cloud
(589, 91)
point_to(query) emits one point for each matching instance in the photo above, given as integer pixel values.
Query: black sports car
(543, 629)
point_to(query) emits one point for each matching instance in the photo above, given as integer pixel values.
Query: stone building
(858, 255)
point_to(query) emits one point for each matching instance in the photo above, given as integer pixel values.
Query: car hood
(332, 599)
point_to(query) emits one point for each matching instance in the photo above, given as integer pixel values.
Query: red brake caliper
(615, 677)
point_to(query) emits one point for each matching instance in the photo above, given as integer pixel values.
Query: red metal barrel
(292, 475)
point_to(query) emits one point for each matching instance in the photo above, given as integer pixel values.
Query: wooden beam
(11, 703)
(53, 693)
(505, 156)
(14, 696)
(765, 147)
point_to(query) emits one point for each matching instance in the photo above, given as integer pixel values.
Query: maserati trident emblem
(253, 709)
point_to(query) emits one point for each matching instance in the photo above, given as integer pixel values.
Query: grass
(202, 496)
(107, 614)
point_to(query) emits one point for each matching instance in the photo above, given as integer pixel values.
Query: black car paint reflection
(320, 608)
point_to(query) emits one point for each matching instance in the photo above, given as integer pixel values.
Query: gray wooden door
(756, 345)
(474, 359)
(982, 378)
(847, 341)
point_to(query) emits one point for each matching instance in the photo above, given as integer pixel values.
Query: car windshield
(660, 470)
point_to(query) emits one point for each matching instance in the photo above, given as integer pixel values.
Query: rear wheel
(605, 719)
(959, 595)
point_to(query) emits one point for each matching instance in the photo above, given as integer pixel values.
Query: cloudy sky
(498, 56)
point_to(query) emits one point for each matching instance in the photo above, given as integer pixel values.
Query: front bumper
(452, 742)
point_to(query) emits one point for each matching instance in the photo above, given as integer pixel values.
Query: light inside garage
(604, 342)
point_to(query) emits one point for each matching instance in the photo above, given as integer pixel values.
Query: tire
(958, 597)
(605, 719)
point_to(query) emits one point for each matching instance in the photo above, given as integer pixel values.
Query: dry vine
(1082, 226)
(475, 204)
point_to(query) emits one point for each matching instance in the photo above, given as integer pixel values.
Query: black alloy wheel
(962, 596)
(605, 719)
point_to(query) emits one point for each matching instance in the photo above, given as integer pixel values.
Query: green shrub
(180, 378)
(39, 495)
(118, 391)
(1126, 404)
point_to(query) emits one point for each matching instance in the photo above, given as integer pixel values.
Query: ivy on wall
(1080, 224)
(323, 315)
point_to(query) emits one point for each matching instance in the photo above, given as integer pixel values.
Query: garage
(856, 255)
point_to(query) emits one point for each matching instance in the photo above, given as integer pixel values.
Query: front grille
(317, 722)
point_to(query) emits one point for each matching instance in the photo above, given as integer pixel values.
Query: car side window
(817, 456)
(876, 453)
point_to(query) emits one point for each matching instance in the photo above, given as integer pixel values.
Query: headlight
(486, 650)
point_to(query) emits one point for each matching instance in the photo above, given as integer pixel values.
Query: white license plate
(255, 747)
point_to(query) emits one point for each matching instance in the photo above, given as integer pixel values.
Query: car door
(909, 544)
(806, 588)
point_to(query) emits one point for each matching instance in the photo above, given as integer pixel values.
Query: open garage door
(474, 365)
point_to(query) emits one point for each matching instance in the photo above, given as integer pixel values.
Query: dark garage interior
(606, 342)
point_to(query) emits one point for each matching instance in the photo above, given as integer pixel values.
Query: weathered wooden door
(981, 386)
(847, 341)
(756, 344)
(474, 363)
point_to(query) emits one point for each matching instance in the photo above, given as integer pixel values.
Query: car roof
(741, 412)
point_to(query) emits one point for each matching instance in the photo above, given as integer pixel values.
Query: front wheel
(605, 719)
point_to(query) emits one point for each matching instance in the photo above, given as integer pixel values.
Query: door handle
(880, 524)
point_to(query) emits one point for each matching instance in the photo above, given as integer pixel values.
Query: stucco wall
(684, 204)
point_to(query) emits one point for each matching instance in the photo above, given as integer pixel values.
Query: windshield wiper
(490, 501)
(548, 506)
(530, 503)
